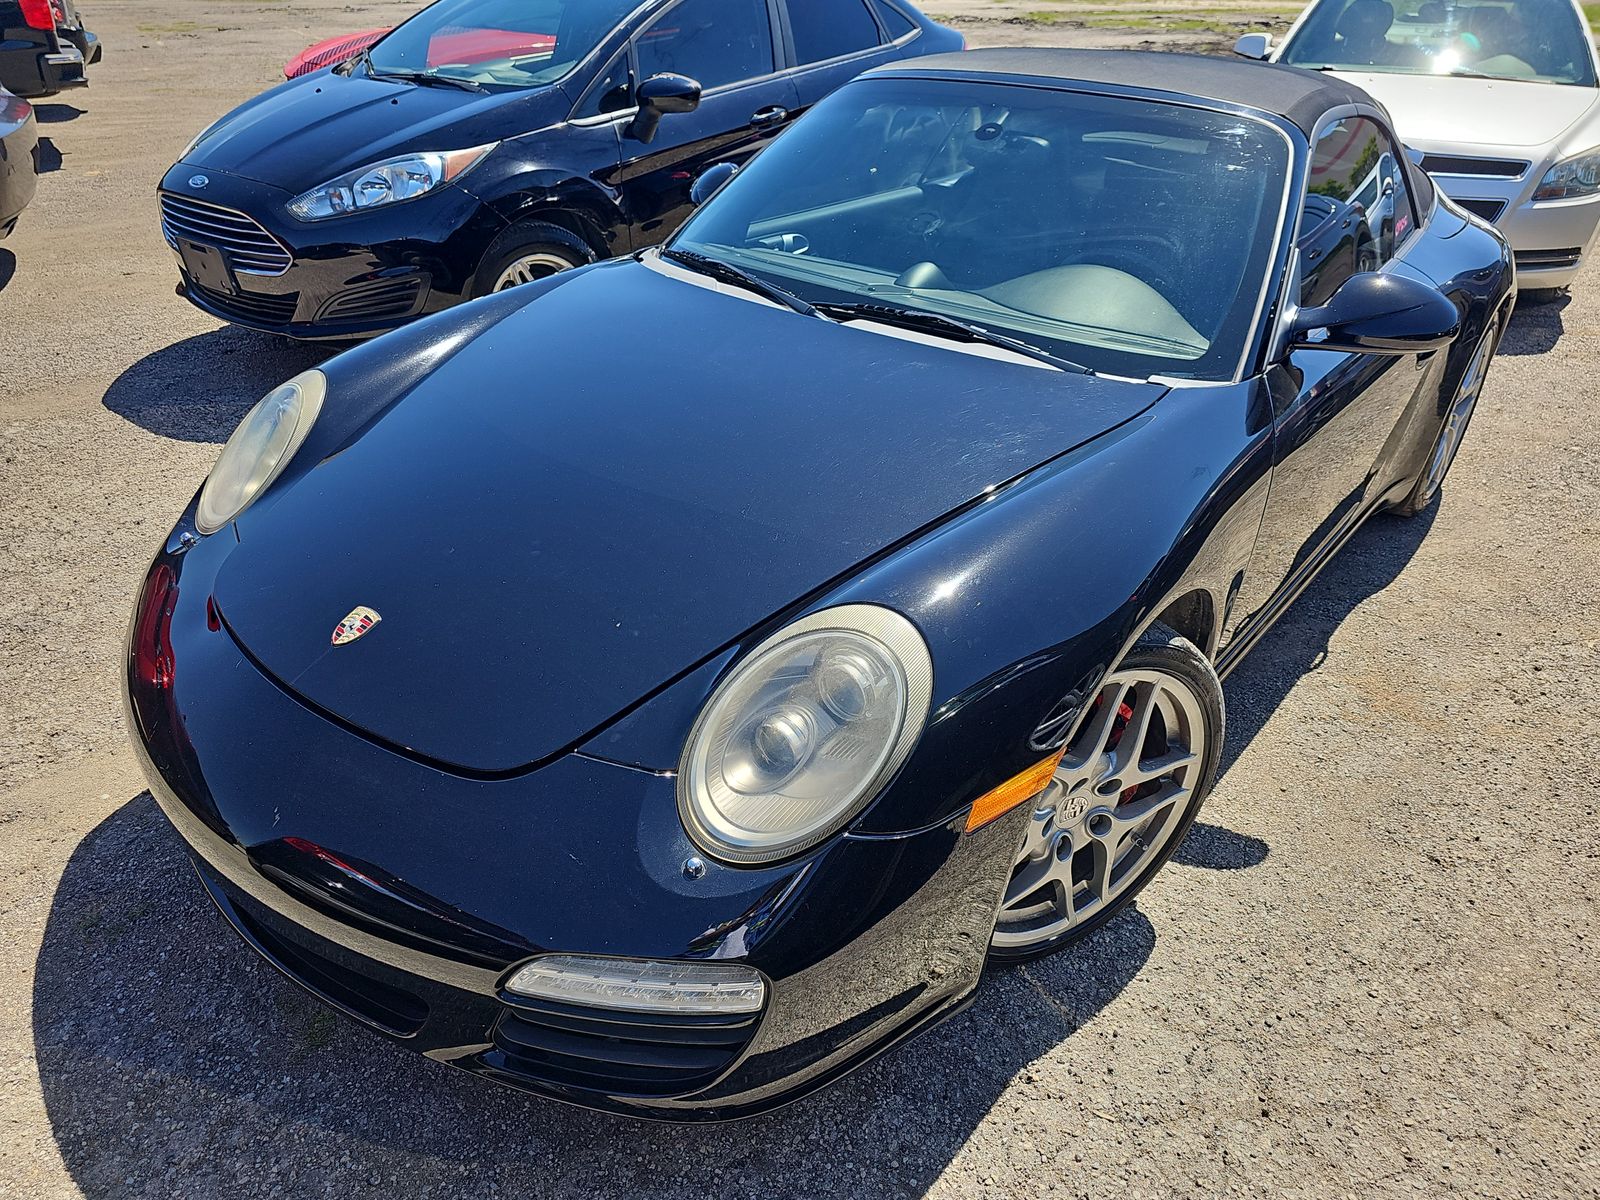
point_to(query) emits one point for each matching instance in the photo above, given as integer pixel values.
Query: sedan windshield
(1129, 236)
(1538, 40)
(498, 43)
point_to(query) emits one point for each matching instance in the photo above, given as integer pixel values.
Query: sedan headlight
(804, 733)
(387, 182)
(1579, 176)
(259, 449)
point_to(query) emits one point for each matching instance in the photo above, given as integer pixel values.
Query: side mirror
(1379, 314)
(1253, 45)
(710, 180)
(659, 95)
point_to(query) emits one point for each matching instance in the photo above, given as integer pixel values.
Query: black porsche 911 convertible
(664, 686)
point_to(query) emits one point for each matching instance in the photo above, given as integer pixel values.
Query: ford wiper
(424, 78)
(715, 268)
(950, 327)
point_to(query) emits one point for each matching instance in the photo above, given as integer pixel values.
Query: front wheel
(526, 252)
(1457, 416)
(1134, 775)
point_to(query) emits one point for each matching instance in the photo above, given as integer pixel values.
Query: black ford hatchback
(487, 143)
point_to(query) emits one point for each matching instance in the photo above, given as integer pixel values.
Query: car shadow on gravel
(1536, 326)
(174, 1062)
(197, 390)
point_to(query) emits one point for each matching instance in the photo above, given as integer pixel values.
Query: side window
(611, 92)
(895, 21)
(714, 42)
(1358, 211)
(825, 29)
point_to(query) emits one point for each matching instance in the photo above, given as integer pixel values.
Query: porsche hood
(580, 506)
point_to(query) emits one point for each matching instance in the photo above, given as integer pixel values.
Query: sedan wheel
(1121, 801)
(529, 268)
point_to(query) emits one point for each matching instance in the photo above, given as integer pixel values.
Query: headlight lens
(259, 449)
(1568, 180)
(387, 182)
(804, 733)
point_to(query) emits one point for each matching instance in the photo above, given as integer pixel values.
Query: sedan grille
(1548, 260)
(644, 1054)
(1483, 168)
(248, 247)
(252, 308)
(1489, 210)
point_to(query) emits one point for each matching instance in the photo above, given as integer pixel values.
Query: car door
(1335, 413)
(730, 47)
(830, 42)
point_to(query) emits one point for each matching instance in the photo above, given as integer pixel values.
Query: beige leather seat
(1103, 297)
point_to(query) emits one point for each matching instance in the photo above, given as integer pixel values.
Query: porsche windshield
(1538, 40)
(496, 44)
(1130, 236)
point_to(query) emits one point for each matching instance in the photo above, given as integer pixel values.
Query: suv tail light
(38, 14)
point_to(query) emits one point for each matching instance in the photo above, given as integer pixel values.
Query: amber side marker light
(1019, 789)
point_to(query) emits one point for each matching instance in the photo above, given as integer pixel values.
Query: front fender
(1028, 597)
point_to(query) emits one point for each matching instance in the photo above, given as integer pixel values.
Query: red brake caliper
(1124, 715)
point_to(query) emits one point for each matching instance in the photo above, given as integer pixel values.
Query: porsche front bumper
(405, 895)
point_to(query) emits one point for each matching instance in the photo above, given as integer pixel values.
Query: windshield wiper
(424, 78)
(715, 268)
(950, 327)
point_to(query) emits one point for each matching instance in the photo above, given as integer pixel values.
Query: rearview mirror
(710, 180)
(659, 95)
(1253, 45)
(1379, 314)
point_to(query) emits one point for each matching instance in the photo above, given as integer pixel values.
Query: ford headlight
(803, 734)
(259, 449)
(1579, 176)
(387, 182)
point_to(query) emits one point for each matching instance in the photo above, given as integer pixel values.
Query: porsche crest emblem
(357, 625)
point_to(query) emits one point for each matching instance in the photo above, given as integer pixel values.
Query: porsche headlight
(804, 733)
(259, 449)
(387, 182)
(1579, 176)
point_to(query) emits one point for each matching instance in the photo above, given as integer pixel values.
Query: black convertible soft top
(1297, 95)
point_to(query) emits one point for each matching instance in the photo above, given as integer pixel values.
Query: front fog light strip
(633, 985)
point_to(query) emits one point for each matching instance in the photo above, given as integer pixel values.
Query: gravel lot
(1372, 971)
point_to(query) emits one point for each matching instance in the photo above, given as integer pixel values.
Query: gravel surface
(1371, 972)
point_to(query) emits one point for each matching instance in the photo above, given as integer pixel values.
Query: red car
(470, 45)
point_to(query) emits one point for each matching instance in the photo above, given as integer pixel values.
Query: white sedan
(1501, 98)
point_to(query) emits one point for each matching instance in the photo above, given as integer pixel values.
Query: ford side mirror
(1253, 45)
(1379, 314)
(711, 180)
(659, 95)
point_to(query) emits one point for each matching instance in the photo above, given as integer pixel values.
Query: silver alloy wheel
(528, 268)
(1115, 803)
(1460, 414)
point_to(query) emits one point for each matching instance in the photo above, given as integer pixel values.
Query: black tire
(1427, 488)
(561, 249)
(1161, 650)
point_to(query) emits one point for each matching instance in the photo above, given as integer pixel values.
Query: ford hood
(314, 128)
(609, 485)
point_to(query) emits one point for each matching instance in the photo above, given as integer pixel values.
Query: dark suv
(44, 47)
(487, 143)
